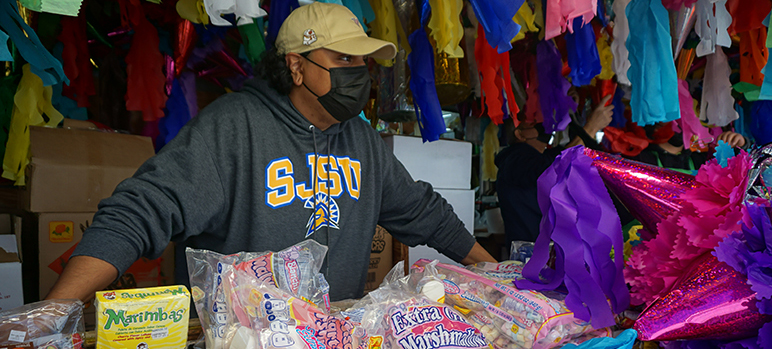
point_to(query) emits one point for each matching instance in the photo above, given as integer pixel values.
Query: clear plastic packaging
(265, 317)
(508, 317)
(395, 316)
(293, 273)
(45, 324)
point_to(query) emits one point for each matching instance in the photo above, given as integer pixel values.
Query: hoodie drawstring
(315, 175)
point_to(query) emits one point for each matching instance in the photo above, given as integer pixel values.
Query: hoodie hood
(282, 108)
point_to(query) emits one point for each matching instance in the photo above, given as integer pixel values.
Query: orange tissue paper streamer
(494, 79)
(77, 64)
(144, 70)
(753, 55)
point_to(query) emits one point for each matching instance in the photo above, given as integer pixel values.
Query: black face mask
(349, 91)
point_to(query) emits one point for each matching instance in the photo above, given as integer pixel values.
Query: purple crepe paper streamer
(496, 18)
(553, 88)
(572, 182)
(583, 55)
(427, 105)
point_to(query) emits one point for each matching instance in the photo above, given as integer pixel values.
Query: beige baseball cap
(330, 26)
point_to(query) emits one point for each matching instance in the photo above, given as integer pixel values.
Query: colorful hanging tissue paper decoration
(747, 14)
(621, 61)
(59, 7)
(713, 20)
(606, 59)
(193, 11)
(445, 26)
(761, 123)
(496, 18)
(532, 104)
(177, 115)
(553, 88)
(361, 9)
(526, 19)
(495, 79)
(427, 104)
(652, 72)
(254, 43)
(583, 55)
(387, 27)
(245, 11)
(42, 63)
(76, 59)
(711, 302)
(675, 5)
(766, 86)
(31, 102)
(489, 149)
(753, 56)
(695, 136)
(584, 239)
(717, 107)
(561, 15)
(144, 71)
(5, 54)
(276, 15)
(709, 212)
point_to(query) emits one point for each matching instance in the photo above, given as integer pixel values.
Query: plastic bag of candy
(265, 317)
(395, 316)
(294, 270)
(45, 324)
(508, 317)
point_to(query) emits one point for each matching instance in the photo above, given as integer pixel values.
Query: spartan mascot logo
(326, 213)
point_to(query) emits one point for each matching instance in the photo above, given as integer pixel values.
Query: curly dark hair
(273, 68)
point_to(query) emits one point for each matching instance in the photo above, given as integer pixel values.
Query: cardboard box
(10, 273)
(58, 235)
(444, 163)
(380, 259)
(71, 170)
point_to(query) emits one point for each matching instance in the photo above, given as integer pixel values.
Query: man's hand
(735, 140)
(478, 254)
(82, 278)
(600, 117)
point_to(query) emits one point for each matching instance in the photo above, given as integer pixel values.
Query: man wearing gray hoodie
(284, 160)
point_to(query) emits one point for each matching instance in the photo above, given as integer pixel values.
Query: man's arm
(82, 278)
(478, 254)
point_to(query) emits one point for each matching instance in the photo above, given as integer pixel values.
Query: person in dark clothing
(523, 161)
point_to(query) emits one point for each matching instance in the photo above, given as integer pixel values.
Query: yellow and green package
(154, 317)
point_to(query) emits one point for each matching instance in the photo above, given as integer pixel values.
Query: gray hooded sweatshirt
(238, 177)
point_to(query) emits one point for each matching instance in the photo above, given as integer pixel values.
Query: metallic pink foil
(710, 301)
(649, 192)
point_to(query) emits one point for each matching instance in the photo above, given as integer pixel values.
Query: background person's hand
(600, 117)
(735, 140)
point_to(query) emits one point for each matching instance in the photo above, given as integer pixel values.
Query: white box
(10, 273)
(463, 205)
(446, 164)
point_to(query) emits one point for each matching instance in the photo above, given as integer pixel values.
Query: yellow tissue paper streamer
(527, 21)
(606, 59)
(383, 26)
(490, 148)
(445, 26)
(538, 13)
(31, 101)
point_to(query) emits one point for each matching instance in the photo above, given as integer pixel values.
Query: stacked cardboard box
(70, 172)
